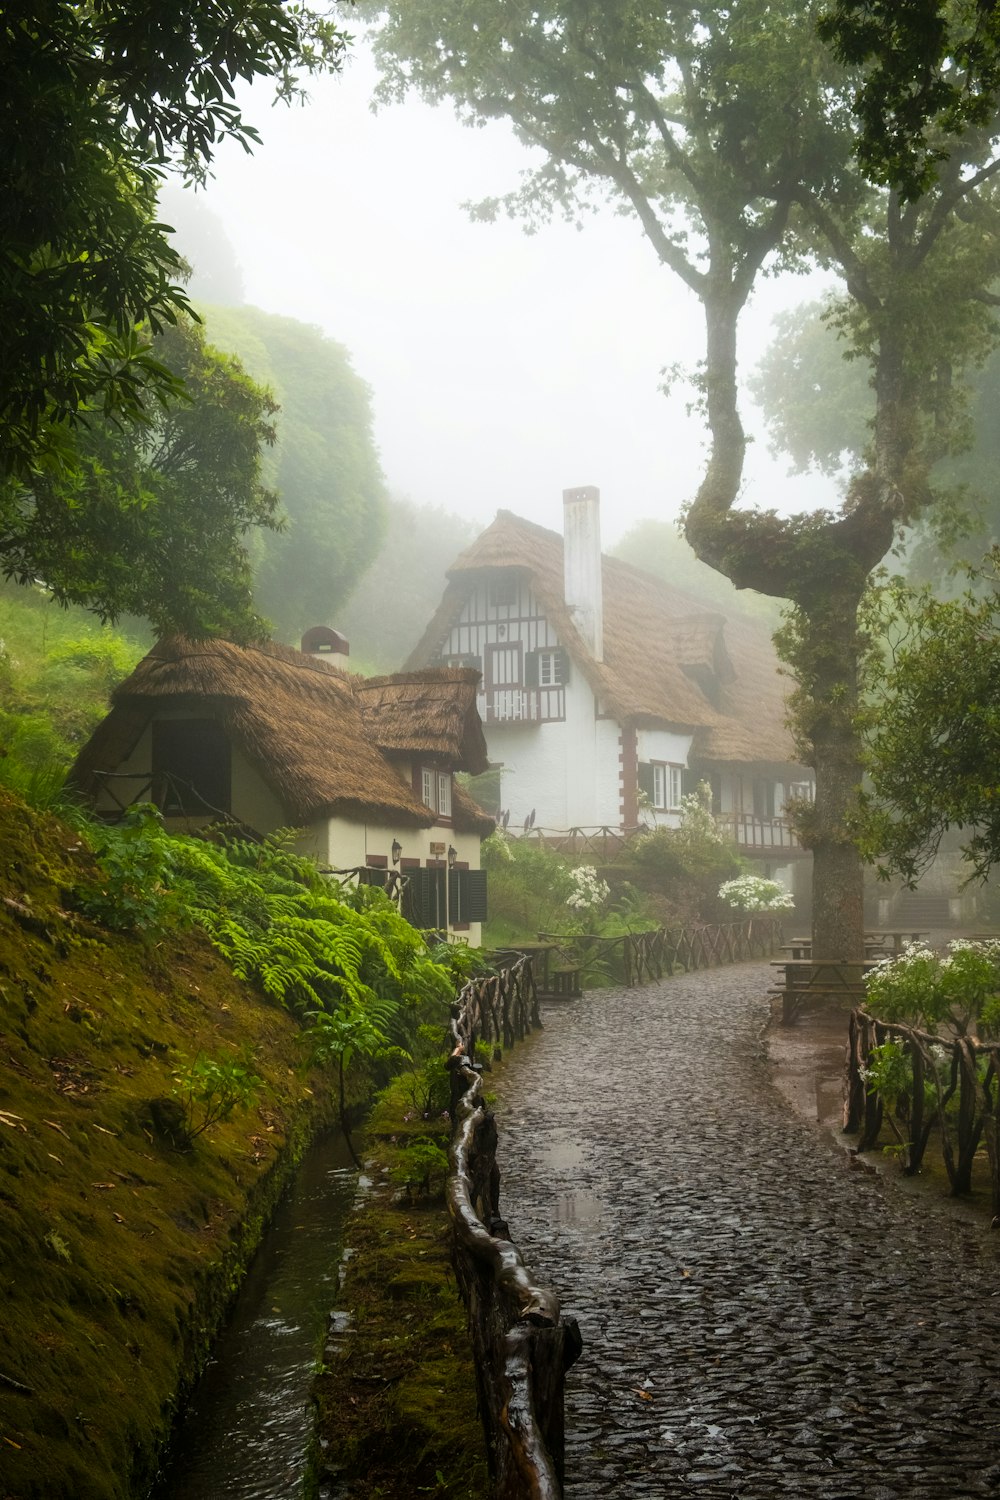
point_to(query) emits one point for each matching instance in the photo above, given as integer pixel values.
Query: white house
(271, 737)
(606, 694)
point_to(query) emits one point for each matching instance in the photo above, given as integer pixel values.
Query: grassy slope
(118, 1252)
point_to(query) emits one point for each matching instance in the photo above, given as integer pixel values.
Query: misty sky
(504, 367)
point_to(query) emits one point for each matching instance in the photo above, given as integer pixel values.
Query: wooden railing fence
(639, 957)
(941, 1068)
(522, 1344)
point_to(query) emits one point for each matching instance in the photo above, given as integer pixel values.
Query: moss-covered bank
(397, 1394)
(119, 1251)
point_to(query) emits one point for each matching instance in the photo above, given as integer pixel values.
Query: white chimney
(333, 647)
(582, 586)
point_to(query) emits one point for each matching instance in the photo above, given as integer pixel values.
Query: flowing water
(248, 1433)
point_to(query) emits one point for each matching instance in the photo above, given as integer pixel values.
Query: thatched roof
(308, 728)
(432, 712)
(667, 660)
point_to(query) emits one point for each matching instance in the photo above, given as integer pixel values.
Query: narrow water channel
(248, 1433)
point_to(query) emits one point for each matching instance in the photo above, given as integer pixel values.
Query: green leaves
(153, 520)
(934, 743)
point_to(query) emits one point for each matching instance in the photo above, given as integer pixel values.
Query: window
(801, 791)
(662, 783)
(550, 669)
(502, 592)
(435, 790)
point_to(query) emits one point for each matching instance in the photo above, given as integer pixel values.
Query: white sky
(504, 367)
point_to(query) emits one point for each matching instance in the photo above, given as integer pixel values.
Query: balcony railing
(519, 705)
(750, 832)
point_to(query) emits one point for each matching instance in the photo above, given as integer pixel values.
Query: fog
(504, 367)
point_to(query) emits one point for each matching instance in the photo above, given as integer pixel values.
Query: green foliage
(99, 99)
(325, 467)
(421, 1164)
(528, 892)
(889, 1072)
(211, 1088)
(153, 520)
(931, 73)
(933, 737)
(138, 861)
(923, 988)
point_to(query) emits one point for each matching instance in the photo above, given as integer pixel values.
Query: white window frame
(801, 791)
(435, 790)
(550, 669)
(667, 786)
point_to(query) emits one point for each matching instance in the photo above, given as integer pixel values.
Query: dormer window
(435, 790)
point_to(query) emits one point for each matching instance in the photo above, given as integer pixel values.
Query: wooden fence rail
(941, 1067)
(640, 957)
(522, 1344)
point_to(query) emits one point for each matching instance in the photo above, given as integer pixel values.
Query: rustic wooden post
(991, 1124)
(969, 1127)
(854, 1084)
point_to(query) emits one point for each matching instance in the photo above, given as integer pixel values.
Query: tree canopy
(153, 520)
(931, 72)
(934, 740)
(98, 100)
(324, 466)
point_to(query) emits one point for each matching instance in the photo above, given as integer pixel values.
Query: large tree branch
(855, 272)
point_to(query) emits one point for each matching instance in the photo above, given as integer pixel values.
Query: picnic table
(892, 943)
(805, 979)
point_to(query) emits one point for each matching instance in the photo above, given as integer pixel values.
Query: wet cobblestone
(759, 1320)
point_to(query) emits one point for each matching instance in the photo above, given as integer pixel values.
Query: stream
(248, 1431)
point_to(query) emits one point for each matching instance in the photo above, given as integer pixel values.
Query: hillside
(120, 1241)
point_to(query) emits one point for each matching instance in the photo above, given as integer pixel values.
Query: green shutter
(563, 667)
(426, 906)
(646, 778)
(467, 895)
(531, 669)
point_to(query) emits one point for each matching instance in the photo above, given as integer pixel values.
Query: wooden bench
(564, 983)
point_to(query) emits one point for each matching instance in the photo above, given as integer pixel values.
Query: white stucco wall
(566, 771)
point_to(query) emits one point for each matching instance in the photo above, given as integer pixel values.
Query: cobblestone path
(759, 1320)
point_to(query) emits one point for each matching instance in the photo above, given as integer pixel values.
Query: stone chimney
(320, 640)
(582, 585)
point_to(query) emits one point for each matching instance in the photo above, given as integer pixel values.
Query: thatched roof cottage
(273, 737)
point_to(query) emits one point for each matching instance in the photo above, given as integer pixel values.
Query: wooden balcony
(753, 835)
(519, 705)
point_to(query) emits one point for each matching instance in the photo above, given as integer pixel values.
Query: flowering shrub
(922, 986)
(588, 889)
(752, 893)
(698, 823)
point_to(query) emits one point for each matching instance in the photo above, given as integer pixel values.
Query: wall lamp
(397, 850)
(452, 856)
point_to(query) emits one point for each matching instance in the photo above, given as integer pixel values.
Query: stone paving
(759, 1320)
